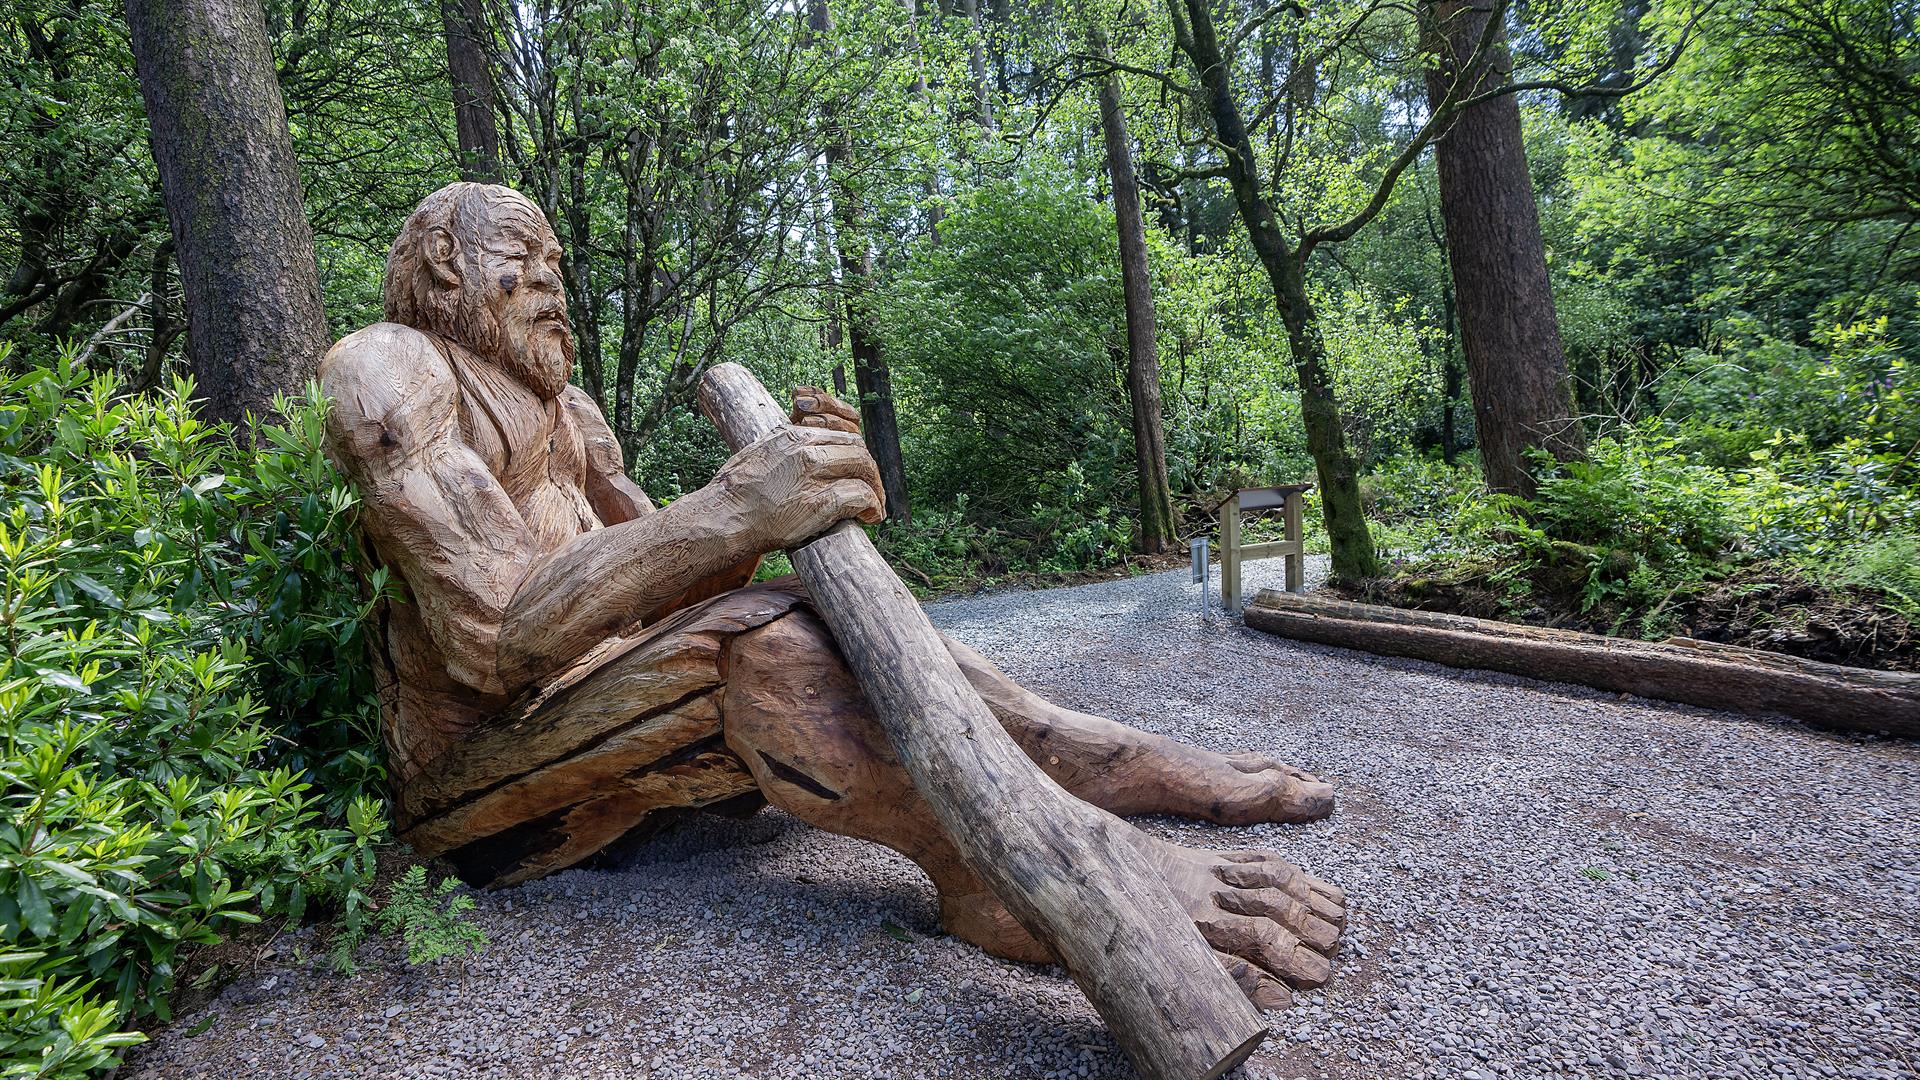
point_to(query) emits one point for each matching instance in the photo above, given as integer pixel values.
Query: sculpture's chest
(538, 455)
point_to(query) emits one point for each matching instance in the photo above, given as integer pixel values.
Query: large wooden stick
(1062, 867)
(1680, 669)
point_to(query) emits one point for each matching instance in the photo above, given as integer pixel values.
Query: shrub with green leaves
(187, 719)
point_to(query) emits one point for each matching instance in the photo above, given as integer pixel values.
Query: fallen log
(1056, 862)
(1680, 669)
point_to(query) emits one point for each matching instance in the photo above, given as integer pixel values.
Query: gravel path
(1543, 880)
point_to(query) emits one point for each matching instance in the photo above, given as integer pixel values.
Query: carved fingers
(815, 408)
(797, 482)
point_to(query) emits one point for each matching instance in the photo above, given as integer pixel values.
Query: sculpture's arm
(504, 613)
(776, 493)
(616, 498)
(614, 495)
(432, 509)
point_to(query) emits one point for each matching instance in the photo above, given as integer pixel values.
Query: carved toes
(1269, 945)
(1267, 993)
(1291, 912)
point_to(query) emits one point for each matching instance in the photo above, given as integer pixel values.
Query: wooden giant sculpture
(572, 666)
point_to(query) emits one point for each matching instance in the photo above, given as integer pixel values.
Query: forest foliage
(1727, 189)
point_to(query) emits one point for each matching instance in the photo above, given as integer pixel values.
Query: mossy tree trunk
(1338, 473)
(255, 323)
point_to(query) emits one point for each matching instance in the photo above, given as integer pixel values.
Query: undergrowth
(189, 734)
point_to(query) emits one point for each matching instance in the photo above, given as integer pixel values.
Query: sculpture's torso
(536, 451)
(532, 447)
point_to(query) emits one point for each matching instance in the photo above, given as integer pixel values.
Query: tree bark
(1157, 525)
(1680, 669)
(1061, 866)
(1516, 367)
(977, 66)
(255, 324)
(1339, 475)
(471, 76)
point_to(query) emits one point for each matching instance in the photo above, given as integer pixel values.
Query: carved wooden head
(479, 265)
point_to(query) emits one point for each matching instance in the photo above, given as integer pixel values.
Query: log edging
(1691, 672)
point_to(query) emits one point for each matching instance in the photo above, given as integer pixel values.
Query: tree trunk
(1516, 368)
(1157, 526)
(471, 76)
(874, 381)
(872, 378)
(255, 324)
(1346, 524)
(977, 66)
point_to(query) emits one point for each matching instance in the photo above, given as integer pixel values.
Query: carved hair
(413, 295)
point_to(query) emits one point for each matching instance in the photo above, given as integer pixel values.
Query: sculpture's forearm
(604, 581)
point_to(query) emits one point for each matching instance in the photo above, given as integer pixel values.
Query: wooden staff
(1059, 865)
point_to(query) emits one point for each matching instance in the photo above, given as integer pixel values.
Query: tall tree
(471, 74)
(1285, 263)
(872, 376)
(1157, 525)
(255, 325)
(1516, 367)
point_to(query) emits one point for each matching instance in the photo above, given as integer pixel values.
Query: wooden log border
(1679, 669)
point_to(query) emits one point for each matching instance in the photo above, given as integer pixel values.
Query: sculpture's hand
(814, 407)
(797, 482)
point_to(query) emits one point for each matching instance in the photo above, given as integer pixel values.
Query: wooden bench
(1290, 498)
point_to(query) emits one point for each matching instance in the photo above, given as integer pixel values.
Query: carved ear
(441, 252)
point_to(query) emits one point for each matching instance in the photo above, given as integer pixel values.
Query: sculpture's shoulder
(587, 418)
(579, 402)
(392, 394)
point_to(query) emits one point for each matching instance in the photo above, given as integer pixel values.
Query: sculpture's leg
(1128, 771)
(796, 716)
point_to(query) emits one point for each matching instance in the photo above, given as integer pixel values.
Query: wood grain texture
(1063, 868)
(632, 729)
(1694, 672)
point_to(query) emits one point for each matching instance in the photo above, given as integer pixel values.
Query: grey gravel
(1543, 880)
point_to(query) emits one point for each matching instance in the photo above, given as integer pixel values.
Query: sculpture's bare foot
(797, 720)
(1274, 926)
(1271, 791)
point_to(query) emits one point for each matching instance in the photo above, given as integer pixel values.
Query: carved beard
(535, 346)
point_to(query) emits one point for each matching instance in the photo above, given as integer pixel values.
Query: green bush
(189, 734)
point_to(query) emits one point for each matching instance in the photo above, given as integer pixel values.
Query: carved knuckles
(797, 482)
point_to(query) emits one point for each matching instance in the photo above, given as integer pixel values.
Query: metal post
(1197, 552)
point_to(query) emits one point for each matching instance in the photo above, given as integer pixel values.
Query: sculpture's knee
(794, 714)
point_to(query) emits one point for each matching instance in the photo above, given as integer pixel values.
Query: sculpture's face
(518, 259)
(505, 261)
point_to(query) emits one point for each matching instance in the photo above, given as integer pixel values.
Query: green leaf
(93, 588)
(35, 910)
